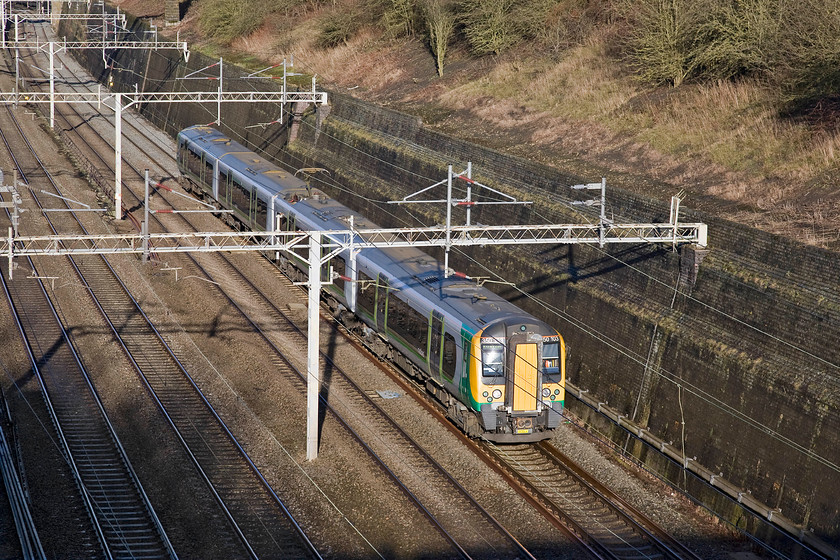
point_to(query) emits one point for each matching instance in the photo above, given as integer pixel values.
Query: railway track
(262, 525)
(627, 539)
(601, 522)
(123, 521)
(472, 532)
(28, 544)
(122, 517)
(598, 516)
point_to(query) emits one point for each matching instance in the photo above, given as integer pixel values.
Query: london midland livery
(499, 371)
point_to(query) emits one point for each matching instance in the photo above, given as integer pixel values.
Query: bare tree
(440, 23)
(488, 25)
(664, 38)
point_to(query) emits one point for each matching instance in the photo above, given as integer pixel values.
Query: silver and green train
(499, 371)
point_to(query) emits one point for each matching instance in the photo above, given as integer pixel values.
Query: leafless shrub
(740, 39)
(488, 25)
(399, 17)
(663, 38)
(338, 27)
(225, 20)
(440, 23)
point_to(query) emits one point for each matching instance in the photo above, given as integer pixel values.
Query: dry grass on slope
(723, 143)
(141, 8)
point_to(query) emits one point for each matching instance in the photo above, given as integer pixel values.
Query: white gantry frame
(351, 241)
(53, 97)
(124, 101)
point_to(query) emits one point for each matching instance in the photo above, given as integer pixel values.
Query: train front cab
(517, 377)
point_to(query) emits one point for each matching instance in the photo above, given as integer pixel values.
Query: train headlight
(546, 392)
(556, 391)
(497, 394)
(485, 394)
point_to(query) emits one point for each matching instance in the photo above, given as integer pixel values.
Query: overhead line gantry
(325, 245)
(125, 100)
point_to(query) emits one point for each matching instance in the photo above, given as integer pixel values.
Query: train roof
(475, 306)
(414, 269)
(234, 154)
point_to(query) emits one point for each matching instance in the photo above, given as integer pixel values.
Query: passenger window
(240, 197)
(381, 301)
(408, 323)
(194, 164)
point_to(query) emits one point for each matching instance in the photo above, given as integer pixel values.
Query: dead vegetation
(735, 144)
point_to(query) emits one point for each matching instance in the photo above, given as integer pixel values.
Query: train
(498, 371)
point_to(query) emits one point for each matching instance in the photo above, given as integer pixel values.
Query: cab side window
(492, 361)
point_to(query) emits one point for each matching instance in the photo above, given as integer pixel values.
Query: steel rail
(713, 480)
(420, 395)
(358, 392)
(668, 544)
(497, 237)
(112, 515)
(301, 376)
(355, 434)
(307, 549)
(412, 444)
(30, 542)
(537, 499)
(64, 446)
(609, 522)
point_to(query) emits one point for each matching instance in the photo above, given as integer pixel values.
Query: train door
(208, 174)
(325, 268)
(223, 195)
(435, 338)
(381, 303)
(524, 379)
